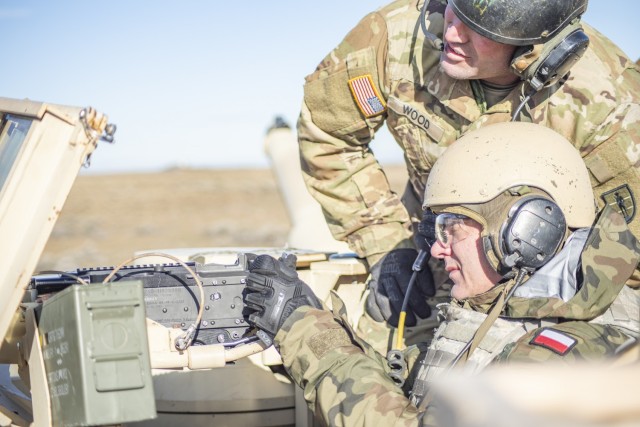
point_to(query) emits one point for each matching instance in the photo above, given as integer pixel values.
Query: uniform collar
(465, 97)
(454, 94)
(483, 302)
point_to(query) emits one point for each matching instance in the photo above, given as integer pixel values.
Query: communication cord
(418, 265)
(185, 340)
(517, 111)
(436, 42)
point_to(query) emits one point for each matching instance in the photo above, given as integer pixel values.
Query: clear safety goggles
(451, 228)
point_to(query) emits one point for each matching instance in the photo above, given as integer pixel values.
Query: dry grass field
(109, 217)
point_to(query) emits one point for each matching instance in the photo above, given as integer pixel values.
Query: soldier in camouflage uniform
(533, 281)
(474, 63)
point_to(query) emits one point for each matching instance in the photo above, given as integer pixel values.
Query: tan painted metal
(309, 229)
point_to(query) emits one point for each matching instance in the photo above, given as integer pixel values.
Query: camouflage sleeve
(607, 128)
(343, 383)
(567, 342)
(335, 128)
(614, 164)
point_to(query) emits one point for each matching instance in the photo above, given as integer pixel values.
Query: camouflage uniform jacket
(345, 382)
(385, 70)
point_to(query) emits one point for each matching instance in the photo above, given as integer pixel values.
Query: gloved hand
(390, 278)
(426, 234)
(274, 291)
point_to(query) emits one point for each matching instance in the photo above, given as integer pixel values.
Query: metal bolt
(216, 296)
(164, 310)
(186, 309)
(205, 323)
(224, 282)
(220, 337)
(238, 321)
(233, 306)
(206, 307)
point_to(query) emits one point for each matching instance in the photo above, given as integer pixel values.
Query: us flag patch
(555, 341)
(366, 95)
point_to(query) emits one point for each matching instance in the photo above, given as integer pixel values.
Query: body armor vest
(458, 327)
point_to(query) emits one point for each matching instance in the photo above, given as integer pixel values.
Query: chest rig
(458, 328)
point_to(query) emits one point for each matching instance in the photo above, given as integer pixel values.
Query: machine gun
(99, 331)
(171, 295)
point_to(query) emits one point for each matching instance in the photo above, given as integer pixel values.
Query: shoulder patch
(621, 199)
(556, 341)
(367, 96)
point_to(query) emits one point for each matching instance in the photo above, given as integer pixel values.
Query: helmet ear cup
(532, 234)
(554, 62)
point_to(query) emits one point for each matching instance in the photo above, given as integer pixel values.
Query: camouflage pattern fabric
(345, 381)
(593, 342)
(598, 109)
(610, 256)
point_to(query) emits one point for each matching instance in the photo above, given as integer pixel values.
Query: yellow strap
(400, 337)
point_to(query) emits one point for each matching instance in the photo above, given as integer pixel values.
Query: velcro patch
(367, 96)
(327, 340)
(556, 341)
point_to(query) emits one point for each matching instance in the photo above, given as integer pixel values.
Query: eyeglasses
(450, 228)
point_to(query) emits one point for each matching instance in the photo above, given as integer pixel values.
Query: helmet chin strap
(472, 344)
(488, 322)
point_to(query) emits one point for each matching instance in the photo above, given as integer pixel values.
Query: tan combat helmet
(523, 182)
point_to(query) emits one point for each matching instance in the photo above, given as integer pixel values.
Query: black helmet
(518, 22)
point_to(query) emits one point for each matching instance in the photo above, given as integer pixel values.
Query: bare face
(465, 261)
(469, 56)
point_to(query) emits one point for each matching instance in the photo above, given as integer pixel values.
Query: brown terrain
(107, 218)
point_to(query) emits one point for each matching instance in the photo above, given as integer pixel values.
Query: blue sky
(195, 83)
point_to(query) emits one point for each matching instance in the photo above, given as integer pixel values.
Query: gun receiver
(171, 296)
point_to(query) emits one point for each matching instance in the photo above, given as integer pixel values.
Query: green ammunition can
(96, 355)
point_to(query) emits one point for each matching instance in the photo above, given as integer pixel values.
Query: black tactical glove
(274, 291)
(426, 235)
(390, 278)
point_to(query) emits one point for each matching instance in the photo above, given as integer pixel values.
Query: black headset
(555, 61)
(532, 234)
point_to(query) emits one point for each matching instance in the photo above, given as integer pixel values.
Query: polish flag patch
(366, 95)
(556, 341)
